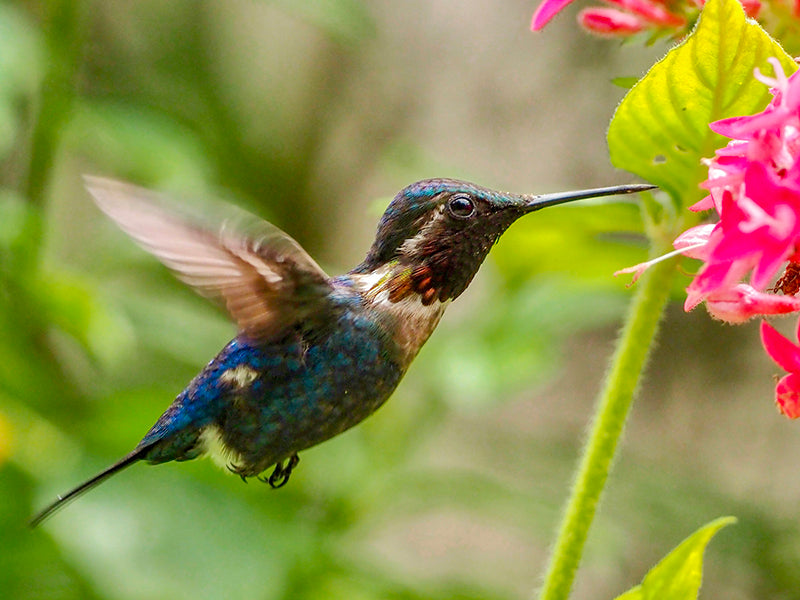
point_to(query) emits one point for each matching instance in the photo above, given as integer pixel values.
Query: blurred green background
(312, 114)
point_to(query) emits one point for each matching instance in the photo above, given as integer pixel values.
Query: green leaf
(679, 574)
(660, 129)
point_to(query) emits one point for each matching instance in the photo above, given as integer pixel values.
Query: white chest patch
(413, 321)
(409, 320)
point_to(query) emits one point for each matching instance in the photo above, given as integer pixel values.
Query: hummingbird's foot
(280, 475)
(237, 470)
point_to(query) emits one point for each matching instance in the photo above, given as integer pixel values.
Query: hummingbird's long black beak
(545, 200)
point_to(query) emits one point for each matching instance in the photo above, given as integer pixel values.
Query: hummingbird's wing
(265, 279)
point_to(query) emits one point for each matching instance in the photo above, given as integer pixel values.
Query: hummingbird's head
(437, 232)
(442, 229)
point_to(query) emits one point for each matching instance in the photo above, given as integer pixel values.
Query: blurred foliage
(96, 338)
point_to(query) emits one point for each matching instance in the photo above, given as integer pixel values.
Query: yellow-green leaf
(679, 574)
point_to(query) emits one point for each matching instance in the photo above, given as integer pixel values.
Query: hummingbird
(313, 355)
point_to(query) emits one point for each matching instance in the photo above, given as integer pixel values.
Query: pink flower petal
(693, 298)
(734, 149)
(609, 21)
(546, 11)
(792, 98)
(729, 127)
(781, 350)
(741, 303)
(692, 242)
(713, 277)
(745, 128)
(787, 395)
(650, 11)
(751, 8)
(731, 176)
(706, 203)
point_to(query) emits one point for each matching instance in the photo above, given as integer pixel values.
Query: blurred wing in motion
(266, 280)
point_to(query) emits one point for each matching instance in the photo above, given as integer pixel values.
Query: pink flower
(754, 185)
(787, 355)
(757, 231)
(628, 16)
(751, 255)
(632, 16)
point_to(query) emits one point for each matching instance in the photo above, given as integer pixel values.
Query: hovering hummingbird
(314, 355)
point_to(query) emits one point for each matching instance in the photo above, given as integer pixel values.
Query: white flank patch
(240, 376)
(213, 446)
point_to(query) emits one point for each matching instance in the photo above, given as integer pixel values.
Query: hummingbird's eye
(461, 207)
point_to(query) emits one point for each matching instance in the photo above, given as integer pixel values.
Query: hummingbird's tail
(126, 461)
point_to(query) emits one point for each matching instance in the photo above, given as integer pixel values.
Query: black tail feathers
(62, 501)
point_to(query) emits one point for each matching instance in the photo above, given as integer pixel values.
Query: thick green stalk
(612, 410)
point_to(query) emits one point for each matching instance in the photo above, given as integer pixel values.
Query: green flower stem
(613, 406)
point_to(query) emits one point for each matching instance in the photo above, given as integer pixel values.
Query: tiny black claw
(279, 477)
(236, 470)
(293, 460)
(280, 474)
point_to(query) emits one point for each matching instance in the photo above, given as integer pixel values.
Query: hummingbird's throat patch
(418, 280)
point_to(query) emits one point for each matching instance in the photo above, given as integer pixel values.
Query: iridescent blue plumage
(314, 355)
(289, 395)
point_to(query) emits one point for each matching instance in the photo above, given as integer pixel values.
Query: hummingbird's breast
(405, 316)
